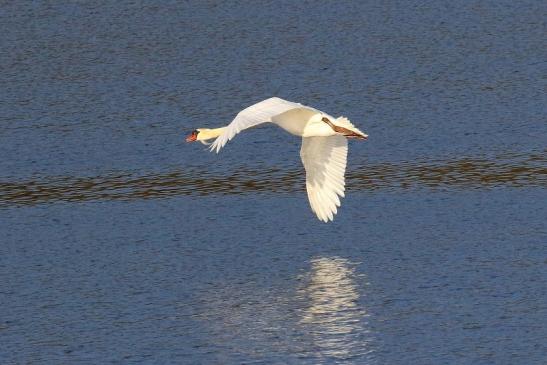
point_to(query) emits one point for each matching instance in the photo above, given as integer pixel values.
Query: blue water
(120, 243)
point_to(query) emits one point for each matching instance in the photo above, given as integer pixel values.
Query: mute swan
(324, 145)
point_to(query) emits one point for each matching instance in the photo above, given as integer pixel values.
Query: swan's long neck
(206, 134)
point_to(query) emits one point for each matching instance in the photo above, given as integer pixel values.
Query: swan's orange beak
(192, 137)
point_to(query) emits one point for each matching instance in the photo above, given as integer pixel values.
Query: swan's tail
(345, 123)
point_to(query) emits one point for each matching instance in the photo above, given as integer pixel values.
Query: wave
(466, 173)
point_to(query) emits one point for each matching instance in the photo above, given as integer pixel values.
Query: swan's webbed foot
(344, 131)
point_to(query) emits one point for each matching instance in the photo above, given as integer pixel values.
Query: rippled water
(516, 171)
(122, 244)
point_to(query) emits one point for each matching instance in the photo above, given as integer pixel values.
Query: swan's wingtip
(213, 148)
(325, 219)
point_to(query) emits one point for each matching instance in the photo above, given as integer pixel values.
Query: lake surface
(122, 244)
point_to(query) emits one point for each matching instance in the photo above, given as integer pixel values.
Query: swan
(324, 145)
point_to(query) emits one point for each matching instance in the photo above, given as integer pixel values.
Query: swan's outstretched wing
(324, 159)
(258, 113)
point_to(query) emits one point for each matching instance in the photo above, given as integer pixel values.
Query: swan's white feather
(324, 159)
(254, 115)
(323, 153)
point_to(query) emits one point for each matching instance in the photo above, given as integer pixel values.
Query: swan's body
(324, 145)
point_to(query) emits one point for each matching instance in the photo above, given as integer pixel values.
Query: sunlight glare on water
(334, 318)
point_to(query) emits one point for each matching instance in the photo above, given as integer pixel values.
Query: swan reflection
(334, 319)
(317, 315)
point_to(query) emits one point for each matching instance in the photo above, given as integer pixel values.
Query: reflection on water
(316, 316)
(334, 319)
(514, 171)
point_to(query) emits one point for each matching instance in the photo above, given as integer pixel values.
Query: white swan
(324, 145)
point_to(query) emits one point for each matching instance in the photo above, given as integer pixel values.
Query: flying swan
(324, 145)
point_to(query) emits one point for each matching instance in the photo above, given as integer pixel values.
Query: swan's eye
(196, 132)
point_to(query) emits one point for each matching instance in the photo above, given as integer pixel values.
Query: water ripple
(475, 173)
(333, 318)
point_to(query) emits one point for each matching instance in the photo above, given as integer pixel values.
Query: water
(122, 244)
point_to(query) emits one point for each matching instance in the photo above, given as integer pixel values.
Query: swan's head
(194, 136)
(204, 134)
